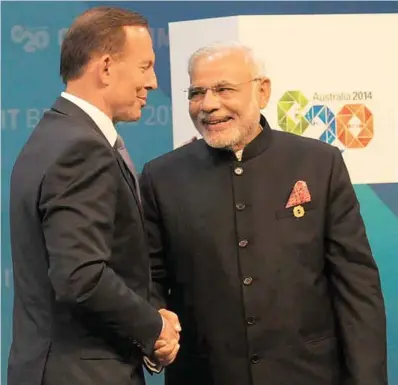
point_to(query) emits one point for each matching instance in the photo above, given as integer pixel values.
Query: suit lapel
(66, 107)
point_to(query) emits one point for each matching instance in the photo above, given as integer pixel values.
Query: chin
(129, 117)
(219, 140)
(136, 116)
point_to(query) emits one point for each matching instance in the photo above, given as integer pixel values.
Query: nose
(152, 82)
(210, 101)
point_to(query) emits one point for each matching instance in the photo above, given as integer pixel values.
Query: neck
(252, 135)
(91, 96)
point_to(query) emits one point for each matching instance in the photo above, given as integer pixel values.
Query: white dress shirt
(103, 121)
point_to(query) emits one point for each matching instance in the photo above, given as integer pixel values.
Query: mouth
(216, 123)
(142, 101)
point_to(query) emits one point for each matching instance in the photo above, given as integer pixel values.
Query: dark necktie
(121, 148)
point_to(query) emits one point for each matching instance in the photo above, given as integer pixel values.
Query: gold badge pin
(298, 211)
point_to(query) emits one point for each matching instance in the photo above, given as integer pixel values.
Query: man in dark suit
(81, 266)
(257, 243)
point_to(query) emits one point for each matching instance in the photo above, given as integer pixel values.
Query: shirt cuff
(152, 366)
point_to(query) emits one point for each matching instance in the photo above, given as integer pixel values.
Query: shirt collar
(103, 121)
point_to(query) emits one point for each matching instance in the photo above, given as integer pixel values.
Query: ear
(265, 92)
(105, 69)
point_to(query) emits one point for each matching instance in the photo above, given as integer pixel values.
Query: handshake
(167, 345)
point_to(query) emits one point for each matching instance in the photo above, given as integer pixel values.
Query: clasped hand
(167, 345)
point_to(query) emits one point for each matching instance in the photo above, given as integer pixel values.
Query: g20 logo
(352, 125)
(33, 38)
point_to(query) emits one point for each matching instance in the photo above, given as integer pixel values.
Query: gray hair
(223, 46)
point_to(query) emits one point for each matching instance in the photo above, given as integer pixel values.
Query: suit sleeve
(77, 205)
(157, 242)
(355, 284)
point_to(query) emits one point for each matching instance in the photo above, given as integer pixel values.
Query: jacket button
(243, 243)
(251, 320)
(240, 206)
(247, 281)
(255, 359)
(238, 170)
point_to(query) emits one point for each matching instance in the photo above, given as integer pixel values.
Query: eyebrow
(223, 83)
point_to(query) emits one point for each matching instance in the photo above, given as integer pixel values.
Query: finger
(166, 350)
(175, 352)
(177, 326)
(172, 356)
(160, 344)
(163, 352)
(175, 322)
(169, 332)
(174, 337)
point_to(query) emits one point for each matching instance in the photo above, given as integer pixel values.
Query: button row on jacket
(238, 170)
(243, 243)
(255, 359)
(240, 206)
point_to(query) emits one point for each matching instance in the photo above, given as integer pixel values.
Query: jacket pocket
(320, 340)
(296, 212)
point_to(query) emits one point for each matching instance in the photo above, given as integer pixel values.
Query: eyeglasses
(221, 90)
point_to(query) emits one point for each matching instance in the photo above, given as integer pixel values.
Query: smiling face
(226, 97)
(131, 76)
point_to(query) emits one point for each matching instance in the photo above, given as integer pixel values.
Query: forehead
(139, 43)
(230, 67)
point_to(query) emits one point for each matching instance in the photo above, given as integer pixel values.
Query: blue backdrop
(31, 36)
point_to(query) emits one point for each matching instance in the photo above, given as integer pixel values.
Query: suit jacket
(80, 257)
(264, 297)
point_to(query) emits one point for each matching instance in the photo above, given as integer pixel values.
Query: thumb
(172, 318)
(177, 326)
